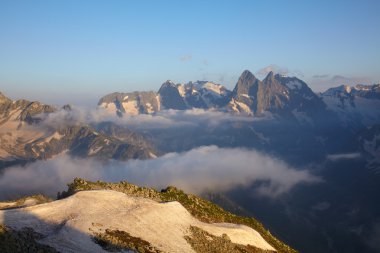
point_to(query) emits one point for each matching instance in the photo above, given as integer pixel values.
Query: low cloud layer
(200, 169)
(163, 119)
(337, 157)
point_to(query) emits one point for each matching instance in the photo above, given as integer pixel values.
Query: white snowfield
(68, 224)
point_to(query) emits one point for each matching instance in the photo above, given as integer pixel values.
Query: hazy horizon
(76, 52)
(82, 99)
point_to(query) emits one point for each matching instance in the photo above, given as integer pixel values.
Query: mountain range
(331, 120)
(334, 134)
(277, 95)
(24, 137)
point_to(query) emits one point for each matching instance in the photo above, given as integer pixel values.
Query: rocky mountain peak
(170, 96)
(347, 88)
(67, 107)
(275, 93)
(4, 99)
(246, 85)
(167, 84)
(247, 75)
(270, 76)
(342, 90)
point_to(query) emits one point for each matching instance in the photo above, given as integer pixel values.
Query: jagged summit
(270, 75)
(284, 96)
(170, 96)
(246, 85)
(168, 83)
(276, 94)
(247, 74)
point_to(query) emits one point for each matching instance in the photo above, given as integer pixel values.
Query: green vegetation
(22, 202)
(115, 241)
(39, 199)
(198, 207)
(204, 242)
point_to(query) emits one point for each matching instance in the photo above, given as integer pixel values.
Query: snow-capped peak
(347, 88)
(210, 86)
(338, 91)
(294, 84)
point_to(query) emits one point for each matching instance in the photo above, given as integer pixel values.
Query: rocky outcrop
(170, 97)
(24, 137)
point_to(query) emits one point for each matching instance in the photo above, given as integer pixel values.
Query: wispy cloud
(274, 68)
(320, 76)
(185, 58)
(223, 78)
(337, 157)
(350, 80)
(203, 168)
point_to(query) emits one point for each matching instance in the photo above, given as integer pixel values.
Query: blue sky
(76, 51)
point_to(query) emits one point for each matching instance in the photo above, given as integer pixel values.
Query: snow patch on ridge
(294, 85)
(130, 107)
(163, 225)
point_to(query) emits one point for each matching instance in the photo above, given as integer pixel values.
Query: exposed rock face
(200, 94)
(4, 100)
(170, 97)
(247, 95)
(284, 96)
(27, 110)
(131, 103)
(204, 94)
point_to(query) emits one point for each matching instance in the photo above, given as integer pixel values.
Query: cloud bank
(161, 120)
(204, 168)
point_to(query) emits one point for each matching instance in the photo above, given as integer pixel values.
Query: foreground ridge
(102, 217)
(201, 209)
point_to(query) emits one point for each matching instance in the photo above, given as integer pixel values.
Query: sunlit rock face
(25, 136)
